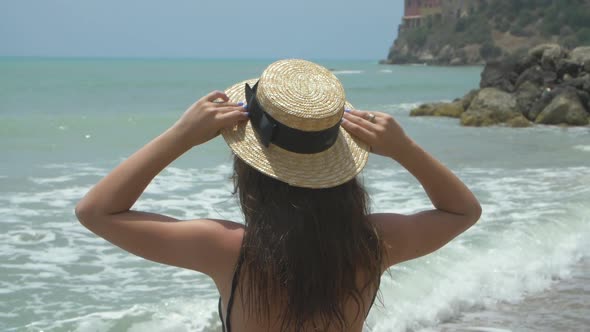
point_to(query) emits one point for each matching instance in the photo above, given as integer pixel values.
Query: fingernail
(241, 103)
(343, 120)
(246, 106)
(346, 110)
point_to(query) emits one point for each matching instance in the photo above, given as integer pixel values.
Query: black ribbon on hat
(272, 131)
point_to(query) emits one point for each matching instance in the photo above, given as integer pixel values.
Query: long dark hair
(311, 247)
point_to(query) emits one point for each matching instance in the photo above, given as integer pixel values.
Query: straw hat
(294, 132)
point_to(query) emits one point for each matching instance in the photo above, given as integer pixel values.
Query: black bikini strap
(234, 285)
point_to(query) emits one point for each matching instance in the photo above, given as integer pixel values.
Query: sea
(66, 122)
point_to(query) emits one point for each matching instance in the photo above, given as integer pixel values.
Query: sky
(319, 29)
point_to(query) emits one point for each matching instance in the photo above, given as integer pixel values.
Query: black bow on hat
(272, 131)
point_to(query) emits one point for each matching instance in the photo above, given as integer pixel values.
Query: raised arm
(105, 210)
(456, 208)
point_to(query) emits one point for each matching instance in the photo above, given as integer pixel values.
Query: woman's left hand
(204, 119)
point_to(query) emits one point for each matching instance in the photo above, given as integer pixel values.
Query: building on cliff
(468, 32)
(420, 12)
(417, 12)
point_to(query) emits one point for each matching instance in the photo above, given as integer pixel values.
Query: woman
(310, 255)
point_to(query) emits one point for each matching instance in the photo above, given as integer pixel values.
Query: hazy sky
(331, 29)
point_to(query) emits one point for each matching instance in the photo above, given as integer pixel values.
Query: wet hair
(311, 248)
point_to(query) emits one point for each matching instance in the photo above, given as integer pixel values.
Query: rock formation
(549, 85)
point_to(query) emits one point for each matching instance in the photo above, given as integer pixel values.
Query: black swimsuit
(226, 324)
(230, 302)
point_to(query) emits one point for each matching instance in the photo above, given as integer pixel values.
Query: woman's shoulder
(406, 237)
(217, 244)
(225, 238)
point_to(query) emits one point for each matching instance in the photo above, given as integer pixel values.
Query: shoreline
(564, 306)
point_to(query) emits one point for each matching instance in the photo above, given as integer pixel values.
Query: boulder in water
(568, 67)
(468, 98)
(491, 106)
(549, 85)
(526, 95)
(549, 77)
(584, 98)
(532, 74)
(519, 121)
(586, 86)
(453, 110)
(577, 83)
(565, 108)
(539, 105)
(501, 75)
(551, 57)
(581, 55)
(539, 50)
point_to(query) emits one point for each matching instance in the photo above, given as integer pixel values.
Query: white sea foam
(182, 315)
(56, 255)
(400, 108)
(173, 315)
(531, 232)
(181, 180)
(57, 179)
(56, 198)
(27, 236)
(348, 72)
(469, 279)
(585, 148)
(15, 215)
(524, 241)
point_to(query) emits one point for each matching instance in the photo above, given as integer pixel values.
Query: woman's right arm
(456, 208)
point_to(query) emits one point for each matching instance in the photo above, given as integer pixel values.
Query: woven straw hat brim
(334, 166)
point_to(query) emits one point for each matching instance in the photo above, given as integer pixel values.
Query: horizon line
(148, 57)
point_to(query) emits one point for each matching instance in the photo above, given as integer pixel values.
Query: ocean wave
(532, 230)
(403, 108)
(470, 278)
(525, 241)
(172, 315)
(348, 72)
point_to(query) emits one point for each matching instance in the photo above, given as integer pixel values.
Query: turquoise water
(67, 122)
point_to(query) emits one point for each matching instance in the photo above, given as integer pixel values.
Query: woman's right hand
(385, 136)
(204, 119)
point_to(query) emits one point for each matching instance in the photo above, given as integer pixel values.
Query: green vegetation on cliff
(496, 29)
(562, 18)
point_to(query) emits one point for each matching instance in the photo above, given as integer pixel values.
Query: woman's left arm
(105, 209)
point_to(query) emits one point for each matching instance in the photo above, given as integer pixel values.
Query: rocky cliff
(493, 30)
(550, 85)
